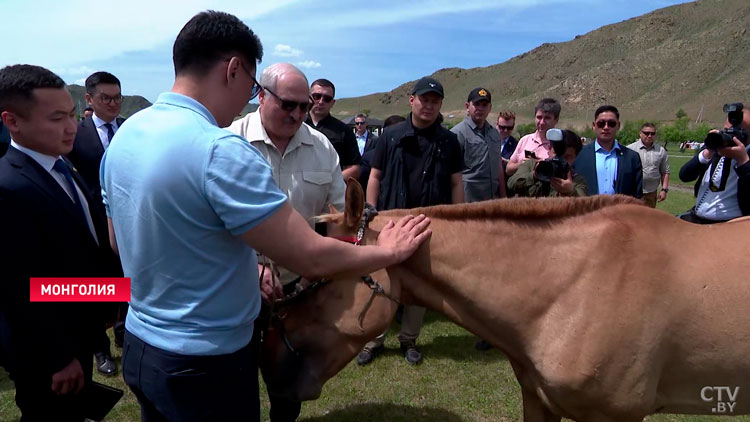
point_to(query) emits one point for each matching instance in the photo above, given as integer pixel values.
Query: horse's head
(313, 334)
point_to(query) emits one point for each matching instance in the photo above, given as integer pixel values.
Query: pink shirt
(531, 142)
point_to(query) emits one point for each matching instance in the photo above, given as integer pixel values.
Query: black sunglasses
(317, 96)
(289, 105)
(648, 133)
(360, 123)
(501, 127)
(601, 123)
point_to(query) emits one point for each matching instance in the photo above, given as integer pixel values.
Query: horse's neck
(485, 277)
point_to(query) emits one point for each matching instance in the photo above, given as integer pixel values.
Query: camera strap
(726, 168)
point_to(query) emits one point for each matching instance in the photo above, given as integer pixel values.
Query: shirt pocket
(317, 177)
(475, 153)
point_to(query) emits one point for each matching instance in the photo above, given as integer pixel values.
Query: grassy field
(454, 383)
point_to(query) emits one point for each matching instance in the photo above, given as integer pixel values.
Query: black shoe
(411, 353)
(482, 346)
(105, 364)
(367, 355)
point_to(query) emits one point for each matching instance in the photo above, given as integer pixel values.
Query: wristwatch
(665, 189)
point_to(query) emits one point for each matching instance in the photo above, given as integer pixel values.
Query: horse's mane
(520, 208)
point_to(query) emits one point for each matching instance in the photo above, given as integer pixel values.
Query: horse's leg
(534, 410)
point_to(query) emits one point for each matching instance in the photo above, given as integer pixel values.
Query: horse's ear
(355, 203)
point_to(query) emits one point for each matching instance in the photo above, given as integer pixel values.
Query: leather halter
(375, 287)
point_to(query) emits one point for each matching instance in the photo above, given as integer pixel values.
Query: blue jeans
(174, 387)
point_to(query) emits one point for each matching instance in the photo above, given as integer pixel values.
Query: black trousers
(119, 311)
(175, 387)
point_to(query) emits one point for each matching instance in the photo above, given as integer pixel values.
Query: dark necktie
(62, 168)
(110, 132)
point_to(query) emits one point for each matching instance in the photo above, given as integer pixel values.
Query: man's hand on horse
(270, 286)
(405, 236)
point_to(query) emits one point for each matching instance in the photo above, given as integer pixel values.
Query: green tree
(525, 128)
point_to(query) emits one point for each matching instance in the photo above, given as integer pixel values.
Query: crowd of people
(210, 217)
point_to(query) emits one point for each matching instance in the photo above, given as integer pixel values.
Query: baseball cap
(426, 85)
(479, 94)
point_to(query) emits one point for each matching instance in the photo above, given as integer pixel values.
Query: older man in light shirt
(303, 162)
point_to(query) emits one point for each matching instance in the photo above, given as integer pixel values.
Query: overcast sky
(363, 47)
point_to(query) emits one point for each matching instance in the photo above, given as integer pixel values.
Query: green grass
(676, 160)
(454, 383)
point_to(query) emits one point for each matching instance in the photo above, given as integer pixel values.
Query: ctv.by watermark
(724, 398)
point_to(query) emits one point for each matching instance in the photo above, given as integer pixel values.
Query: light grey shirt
(308, 172)
(655, 164)
(481, 149)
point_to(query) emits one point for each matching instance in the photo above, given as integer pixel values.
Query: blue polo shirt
(606, 168)
(180, 191)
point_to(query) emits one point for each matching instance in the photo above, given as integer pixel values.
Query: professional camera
(723, 138)
(555, 166)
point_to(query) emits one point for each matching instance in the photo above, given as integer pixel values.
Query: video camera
(723, 138)
(555, 166)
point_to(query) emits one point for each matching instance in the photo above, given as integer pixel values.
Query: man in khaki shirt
(655, 165)
(303, 162)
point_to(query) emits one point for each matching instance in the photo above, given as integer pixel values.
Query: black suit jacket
(87, 153)
(372, 139)
(694, 170)
(509, 148)
(44, 236)
(629, 180)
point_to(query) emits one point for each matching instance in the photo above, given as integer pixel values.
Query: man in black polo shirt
(417, 163)
(340, 135)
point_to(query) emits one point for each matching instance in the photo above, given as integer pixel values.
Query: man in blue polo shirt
(188, 205)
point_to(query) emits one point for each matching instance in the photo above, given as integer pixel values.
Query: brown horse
(601, 313)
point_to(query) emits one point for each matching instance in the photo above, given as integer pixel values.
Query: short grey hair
(271, 74)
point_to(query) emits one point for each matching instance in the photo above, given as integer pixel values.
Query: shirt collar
(538, 139)
(44, 160)
(98, 122)
(183, 101)
(598, 147)
(642, 145)
(257, 133)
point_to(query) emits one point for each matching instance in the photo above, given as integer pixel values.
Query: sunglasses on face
(648, 133)
(289, 105)
(610, 123)
(501, 127)
(359, 123)
(326, 98)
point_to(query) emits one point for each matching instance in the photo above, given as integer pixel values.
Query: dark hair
(88, 109)
(17, 85)
(606, 108)
(325, 83)
(100, 78)
(548, 105)
(210, 37)
(392, 120)
(648, 124)
(572, 140)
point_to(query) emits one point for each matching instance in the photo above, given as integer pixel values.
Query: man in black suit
(4, 139)
(104, 96)
(55, 232)
(609, 167)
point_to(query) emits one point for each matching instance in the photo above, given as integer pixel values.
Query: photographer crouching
(554, 176)
(722, 168)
